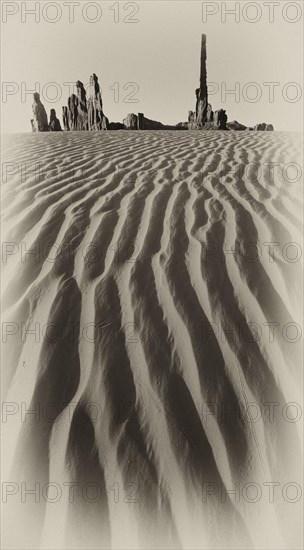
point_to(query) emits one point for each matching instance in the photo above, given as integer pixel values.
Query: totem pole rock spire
(203, 77)
(203, 117)
(201, 109)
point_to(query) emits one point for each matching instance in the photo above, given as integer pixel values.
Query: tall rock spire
(202, 92)
(203, 77)
(203, 117)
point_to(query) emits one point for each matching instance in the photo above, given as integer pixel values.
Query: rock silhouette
(140, 122)
(73, 112)
(116, 126)
(65, 118)
(130, 122)
(203, 118)
(263, 127)
(201, 111)
(85, 111)
(82, 113)
(54, 125)
(237, 126)
(97, 119)
(220, 119)
(40, 120)
(82, 110)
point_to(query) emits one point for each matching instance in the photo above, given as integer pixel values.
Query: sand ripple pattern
(154, 332)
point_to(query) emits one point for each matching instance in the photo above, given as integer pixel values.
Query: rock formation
(130, 122)
(65, 118)
(83, 114)
(82, 110)
(75, 115)
(201, 109)
(73, 112)
(40, 120)
(148, 124)
(116, 126)
(263, 127)
(237, 126)
(140, 122)
(54, 125)
(203, 116)
(220, 119)
(182, 126)
(96, 118)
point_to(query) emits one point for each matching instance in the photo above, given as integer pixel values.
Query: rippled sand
(160, 382)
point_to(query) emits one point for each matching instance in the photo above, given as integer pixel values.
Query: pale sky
(160, 54)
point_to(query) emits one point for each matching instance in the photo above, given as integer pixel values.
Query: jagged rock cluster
(213, 121)
(81, 113)
(84, 113)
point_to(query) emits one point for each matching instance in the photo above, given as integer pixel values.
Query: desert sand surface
(155, 335)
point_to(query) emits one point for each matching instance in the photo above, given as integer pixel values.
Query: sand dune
(167, 345)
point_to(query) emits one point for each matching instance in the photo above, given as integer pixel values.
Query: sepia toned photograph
(152, 275)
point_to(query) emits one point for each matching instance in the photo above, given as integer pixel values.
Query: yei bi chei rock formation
(80, 114)
(84, 113)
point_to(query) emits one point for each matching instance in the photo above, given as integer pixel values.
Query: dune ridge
(153, 296)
